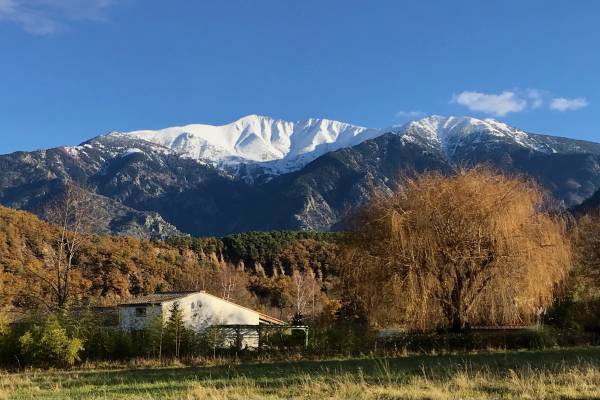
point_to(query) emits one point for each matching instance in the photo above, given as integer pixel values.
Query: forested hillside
(261, 270)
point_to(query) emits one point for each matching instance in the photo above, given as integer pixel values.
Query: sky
(74, 69)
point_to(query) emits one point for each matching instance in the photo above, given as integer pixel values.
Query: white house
(200, 310)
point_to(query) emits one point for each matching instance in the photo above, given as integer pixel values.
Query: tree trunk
(456, 317)
(457, 323)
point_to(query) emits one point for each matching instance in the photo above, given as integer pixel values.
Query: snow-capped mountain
(277, 145)
(260, 173)
(274, 146)
(450, 133)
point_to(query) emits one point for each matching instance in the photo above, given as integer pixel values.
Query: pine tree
(175, 327)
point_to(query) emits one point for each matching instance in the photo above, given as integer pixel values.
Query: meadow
(546, 374)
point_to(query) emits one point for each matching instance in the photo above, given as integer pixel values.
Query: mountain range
(260, 173)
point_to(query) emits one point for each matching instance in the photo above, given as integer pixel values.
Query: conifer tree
(175, 328)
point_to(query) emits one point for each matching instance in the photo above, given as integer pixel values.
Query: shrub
(575, 314)
(526, 338)
(340, 337)
(47, 343)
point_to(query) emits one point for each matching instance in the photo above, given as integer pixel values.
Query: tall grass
(570, 383)
(553, 374)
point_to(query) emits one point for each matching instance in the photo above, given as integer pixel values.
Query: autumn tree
(303, 293)
(72, 214)
(474, 248)
(232, 284)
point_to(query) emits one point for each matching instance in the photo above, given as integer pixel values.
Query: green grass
(548, 374)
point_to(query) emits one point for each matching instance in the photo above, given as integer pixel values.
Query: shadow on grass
(288, 373)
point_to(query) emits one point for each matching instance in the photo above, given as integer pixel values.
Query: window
(140, 312)
(192, 306)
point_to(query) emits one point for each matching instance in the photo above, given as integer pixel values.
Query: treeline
(255, 269)
(267, 253)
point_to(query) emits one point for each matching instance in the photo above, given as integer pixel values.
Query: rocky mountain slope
(260, 173)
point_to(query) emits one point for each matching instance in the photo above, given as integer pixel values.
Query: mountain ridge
(279, 145)
(131, 174)
(276, 146)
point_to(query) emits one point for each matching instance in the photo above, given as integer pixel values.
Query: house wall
(200, 311)
(209, 310)
(215, 311)
(130, 321)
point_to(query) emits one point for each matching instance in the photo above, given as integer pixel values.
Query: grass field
(549, 374)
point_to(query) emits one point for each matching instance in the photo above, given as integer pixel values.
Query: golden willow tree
(475, 248)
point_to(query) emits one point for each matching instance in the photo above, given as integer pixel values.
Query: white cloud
(42, 17)
(496, 104)
(409, 114)
(516, 100)
(564, 104)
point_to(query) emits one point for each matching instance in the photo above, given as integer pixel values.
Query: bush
(573, 314)
(469, 340)
(48, 344)
(340, 337)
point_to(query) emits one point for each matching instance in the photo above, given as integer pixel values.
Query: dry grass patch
(576, 383)
(550, 374)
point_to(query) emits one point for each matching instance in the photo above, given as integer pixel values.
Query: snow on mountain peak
(278, 146)
(281, 145)
(450, 132)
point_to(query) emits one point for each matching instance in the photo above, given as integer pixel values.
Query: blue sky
(73, 69)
